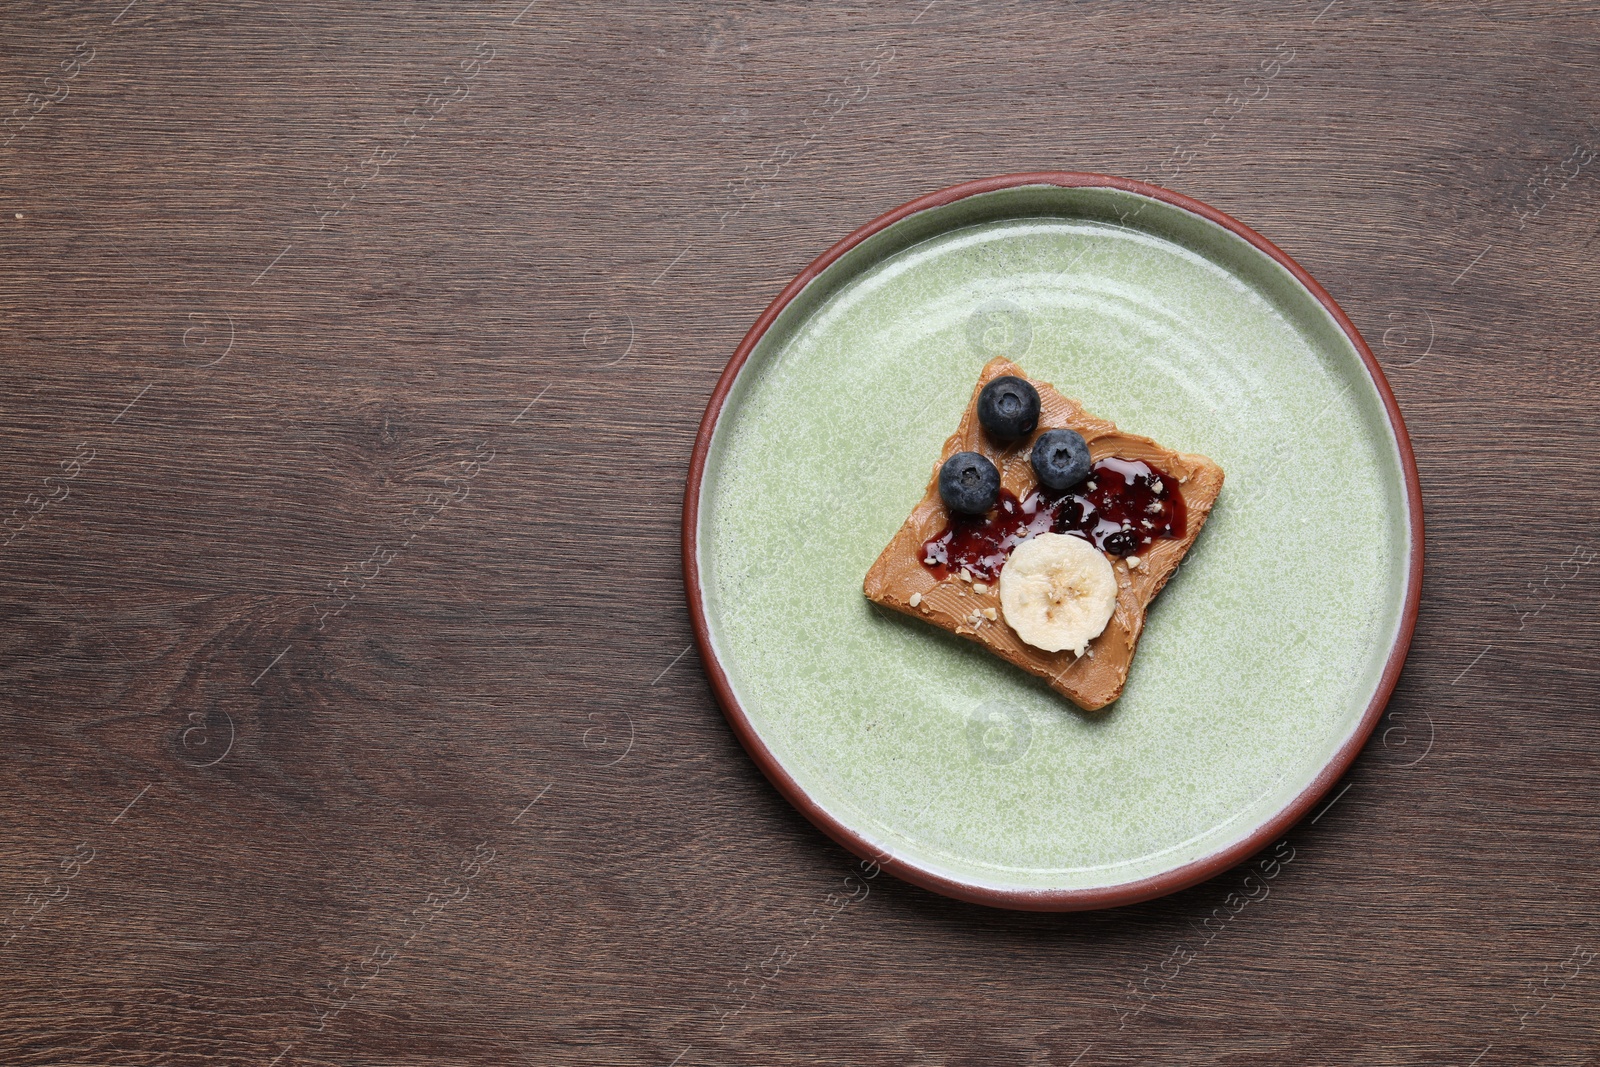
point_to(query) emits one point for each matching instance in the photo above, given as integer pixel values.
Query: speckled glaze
(1266, 660)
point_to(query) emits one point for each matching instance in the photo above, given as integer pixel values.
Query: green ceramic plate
(1265, 662)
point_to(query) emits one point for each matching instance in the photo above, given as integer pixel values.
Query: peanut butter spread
(899, 580)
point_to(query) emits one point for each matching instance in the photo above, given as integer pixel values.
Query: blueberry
(1008, 408)
(969, 484)
(1120, 543)
(1061, 458)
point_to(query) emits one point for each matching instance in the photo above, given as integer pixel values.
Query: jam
(1120, 508)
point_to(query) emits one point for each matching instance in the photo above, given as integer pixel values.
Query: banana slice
(1058, 591)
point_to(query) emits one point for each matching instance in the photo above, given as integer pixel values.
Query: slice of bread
(1096, 678)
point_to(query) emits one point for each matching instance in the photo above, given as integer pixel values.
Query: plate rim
(1142, 889)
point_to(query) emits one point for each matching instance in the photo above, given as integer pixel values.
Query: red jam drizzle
(1120, 508)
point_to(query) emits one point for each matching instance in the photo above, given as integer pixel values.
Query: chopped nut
(1133, 562)
(930, 561)
(1157, 486)
(916, 600)
(1092, 485)
(980, 587)
(1183, 479)
(1146, 523)
(1153, 508)
(966, 575)
(927, 610)
(990, 614)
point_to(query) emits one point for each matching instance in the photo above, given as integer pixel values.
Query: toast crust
(1096, 678)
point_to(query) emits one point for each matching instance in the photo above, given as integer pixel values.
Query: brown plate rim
(1180, 877)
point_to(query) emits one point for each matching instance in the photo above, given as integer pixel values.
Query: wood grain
(320, 374)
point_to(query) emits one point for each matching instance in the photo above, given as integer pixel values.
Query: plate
(1265, 663)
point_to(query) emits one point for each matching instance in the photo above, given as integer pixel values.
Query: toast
(902, 580)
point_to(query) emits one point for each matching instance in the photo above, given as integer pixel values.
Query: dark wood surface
(348, 716)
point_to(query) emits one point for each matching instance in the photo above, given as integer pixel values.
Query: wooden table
(354, 355)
